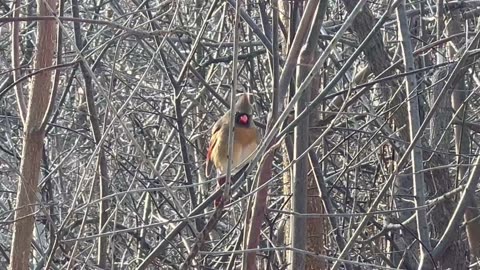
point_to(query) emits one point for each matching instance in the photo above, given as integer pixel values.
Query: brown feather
(245, 141)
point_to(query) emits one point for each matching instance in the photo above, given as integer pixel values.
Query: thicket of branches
(368, 111)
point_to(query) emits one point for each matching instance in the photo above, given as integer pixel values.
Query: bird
(245, 140)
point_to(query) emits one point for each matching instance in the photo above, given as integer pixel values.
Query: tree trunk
(462, 140)
(413, 92)
(34, 132)
(102, 168)
(314, 226)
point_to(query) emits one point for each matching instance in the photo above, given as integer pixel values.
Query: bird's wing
(213, 142)
(209, 163)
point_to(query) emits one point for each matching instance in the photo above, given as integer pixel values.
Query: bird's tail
(220, 183)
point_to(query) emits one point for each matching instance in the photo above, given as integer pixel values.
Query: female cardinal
(245, 140)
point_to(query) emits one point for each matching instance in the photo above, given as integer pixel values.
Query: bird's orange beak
(244, 119)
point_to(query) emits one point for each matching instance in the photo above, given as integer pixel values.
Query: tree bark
(102, 176)
(314, 226)
(462, 141)
(34, 133)
(413, 92)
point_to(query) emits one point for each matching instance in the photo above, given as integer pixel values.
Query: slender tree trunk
(34, 132)
(102, 168)
(298, 183)
(417, 153)
(314, 226)
(462, 141)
